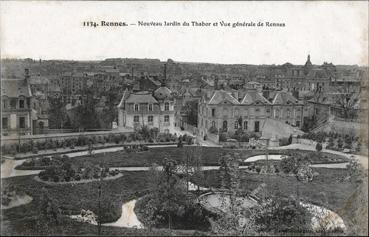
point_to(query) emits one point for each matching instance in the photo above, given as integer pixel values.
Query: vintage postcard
(194, 118)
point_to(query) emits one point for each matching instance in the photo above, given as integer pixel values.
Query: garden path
(128, 219)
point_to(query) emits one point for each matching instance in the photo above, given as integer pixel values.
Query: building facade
(151, 109)
(17, 113)
(227, 112)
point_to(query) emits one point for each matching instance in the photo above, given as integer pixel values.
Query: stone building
(248, 110)
(151, 109)
(18, 116)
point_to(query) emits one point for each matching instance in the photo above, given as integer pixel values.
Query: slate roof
(317, 74)
(283, 97)
(162, 93)
(252, 97)
(220, 96)
(15, 87)
(141, 97)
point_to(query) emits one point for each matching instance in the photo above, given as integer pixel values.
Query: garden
(165, 205)
(336, 141)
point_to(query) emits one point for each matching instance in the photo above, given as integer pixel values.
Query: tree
(190, 109)
(318, 147)
(236, 219)
(48, 216)
(345, 102)
(167, 194)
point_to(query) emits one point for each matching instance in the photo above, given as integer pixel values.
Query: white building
(155, 110)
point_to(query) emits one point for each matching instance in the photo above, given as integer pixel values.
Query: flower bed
(65, 171)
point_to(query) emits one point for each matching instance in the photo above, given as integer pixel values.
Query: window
(213, 112)
(236, 125)
(5, 123)
(257, 126)
(225, 126)
(13, 103)
(268, 110)
(150, 119)
(166, 106)
(166, 118)
(213, 124)
(5, 103)
(245, 125)
(136, 119)
(257, 110)
(136, 107)
(22, 122)
(298, 123)
(276, 115)
(21, 104)
(150, 107)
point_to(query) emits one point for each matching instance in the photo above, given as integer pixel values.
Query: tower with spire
(308, 65)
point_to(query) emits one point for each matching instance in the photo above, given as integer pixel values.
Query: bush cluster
(143, 134)
(65, 171)
(336, 141)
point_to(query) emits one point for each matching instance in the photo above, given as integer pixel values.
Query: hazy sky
(330, 31)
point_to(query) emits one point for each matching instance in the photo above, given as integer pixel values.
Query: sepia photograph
(184, 118)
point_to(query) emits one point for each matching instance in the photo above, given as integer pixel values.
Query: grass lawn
(209, 155)
(330, 182)
(71, 198)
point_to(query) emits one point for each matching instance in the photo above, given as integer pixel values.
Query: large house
(18, 115)
(152, 109)
(248, 110)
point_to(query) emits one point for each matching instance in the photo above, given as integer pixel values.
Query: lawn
(329, 188)
(73, 198)
(210, 156)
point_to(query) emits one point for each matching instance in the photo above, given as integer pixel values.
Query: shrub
(35, 150)
(284, 142)
(282, 215)
(213, 130)
(56, 178)
(223, 137)
(318, 147)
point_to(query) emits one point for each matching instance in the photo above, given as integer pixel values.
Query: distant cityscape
(50, 96)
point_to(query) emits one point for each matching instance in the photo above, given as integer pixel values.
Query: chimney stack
(165, 75)
(26, 75)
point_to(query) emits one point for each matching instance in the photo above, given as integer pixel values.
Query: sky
(334, 32)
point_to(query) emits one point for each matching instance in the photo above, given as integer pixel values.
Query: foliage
(213, 130)
(318, 147)
(63, 170)
(190, 109)
(222, 137)
(168, 200)
(280, 215)
(291, 163)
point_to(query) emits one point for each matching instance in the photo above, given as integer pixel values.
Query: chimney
(26, 75)
(216, 83)
(165, 75)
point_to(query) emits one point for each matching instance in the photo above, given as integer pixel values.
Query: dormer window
(150, 107)
(136, 107)
(166, 106)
